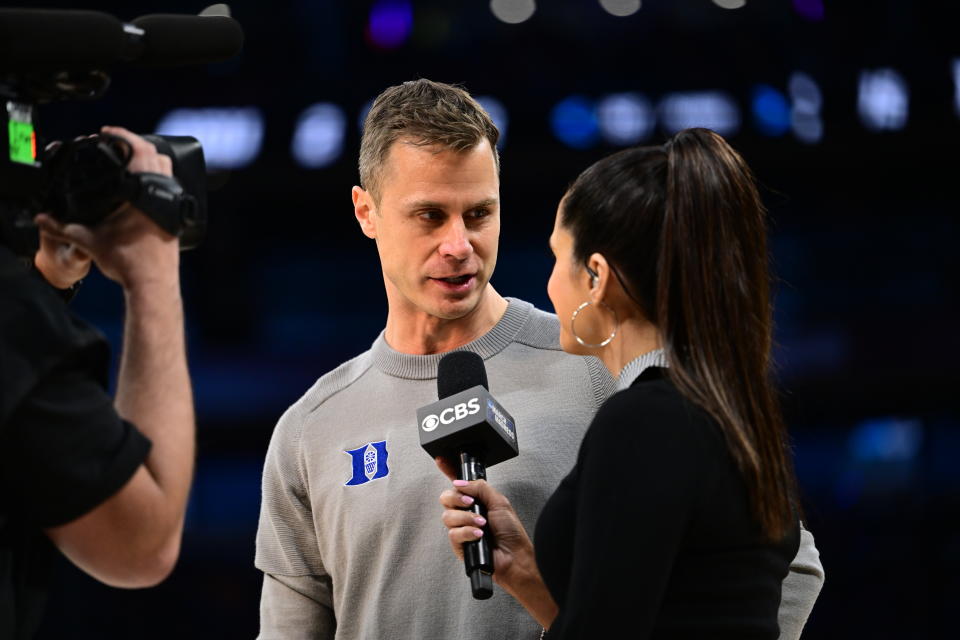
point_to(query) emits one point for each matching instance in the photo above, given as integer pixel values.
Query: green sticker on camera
(23, 142)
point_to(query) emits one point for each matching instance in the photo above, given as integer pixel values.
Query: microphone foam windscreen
(458, 371)
(172, 40)
(62, 39)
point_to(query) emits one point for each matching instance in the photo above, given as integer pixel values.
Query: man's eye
(479, 213)
(431, 215)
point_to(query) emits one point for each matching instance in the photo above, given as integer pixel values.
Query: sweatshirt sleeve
(800, 588)
(296, 601)
(296, 608)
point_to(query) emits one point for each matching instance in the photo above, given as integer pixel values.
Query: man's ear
(365, 212)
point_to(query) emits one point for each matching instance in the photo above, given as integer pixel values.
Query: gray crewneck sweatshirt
(350, 539)
(350, 525)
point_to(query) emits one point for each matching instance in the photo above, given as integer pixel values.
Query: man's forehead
(433, 176)
(405, 149)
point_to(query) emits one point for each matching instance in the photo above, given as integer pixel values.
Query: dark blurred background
(849, 113)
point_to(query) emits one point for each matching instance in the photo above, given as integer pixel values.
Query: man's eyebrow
(488, 202)
(430, 204)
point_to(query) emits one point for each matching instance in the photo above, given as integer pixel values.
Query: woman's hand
(509, 542)
(514, 564)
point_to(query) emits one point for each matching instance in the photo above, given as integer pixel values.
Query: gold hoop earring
(573, 327)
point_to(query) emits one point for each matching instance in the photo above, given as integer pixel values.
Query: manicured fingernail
(480, 520)
(467, 500)
(460, 483)
(478, 532)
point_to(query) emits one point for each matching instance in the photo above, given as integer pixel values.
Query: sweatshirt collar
(424, 367)
(635, 367)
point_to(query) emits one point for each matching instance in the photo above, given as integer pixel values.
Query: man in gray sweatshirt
(350, 541)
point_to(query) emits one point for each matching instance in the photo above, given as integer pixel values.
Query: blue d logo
(369, 462)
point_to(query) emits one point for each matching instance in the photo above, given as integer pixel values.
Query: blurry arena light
(318, 138)
(730, 4)
(771, 111)
(574, 122)
(364, 110)
(956, 84)
(887, 439)
(620, 8)
(883, 100)
(807, 102)
(810, 9)
(625, 118)
(513, 11)
(498, 113)
(711, 109)
(231, 136)
(390, 23)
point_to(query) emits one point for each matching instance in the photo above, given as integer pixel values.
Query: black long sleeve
(651, 534)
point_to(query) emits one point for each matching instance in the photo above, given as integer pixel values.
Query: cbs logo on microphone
(451, 414)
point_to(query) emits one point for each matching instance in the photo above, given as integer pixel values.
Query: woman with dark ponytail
(679, 519)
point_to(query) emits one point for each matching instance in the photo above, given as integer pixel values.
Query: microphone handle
(477, 556)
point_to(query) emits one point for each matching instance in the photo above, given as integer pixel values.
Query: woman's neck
(634, 338)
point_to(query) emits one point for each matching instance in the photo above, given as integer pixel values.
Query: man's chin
(454, 307)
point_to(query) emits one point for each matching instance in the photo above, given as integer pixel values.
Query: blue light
(497, 113)
(883, 100)
(807, 101)
(886, 439)
(318, 139)
(364, 111)
(390, 23)
(231, 137)
(574, 122)
(625, 118)
(771, 111)
(714, 110)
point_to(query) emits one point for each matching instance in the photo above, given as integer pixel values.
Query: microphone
(469, 425)
(44, 39)
(171, 40)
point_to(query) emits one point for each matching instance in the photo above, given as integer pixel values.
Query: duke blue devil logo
(369, 462)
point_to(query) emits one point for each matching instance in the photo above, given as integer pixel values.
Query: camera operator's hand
(128, 247)
(62, 264)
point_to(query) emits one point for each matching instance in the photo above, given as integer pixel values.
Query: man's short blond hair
(421, 112)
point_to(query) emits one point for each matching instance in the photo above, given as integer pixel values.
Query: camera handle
(163, 200)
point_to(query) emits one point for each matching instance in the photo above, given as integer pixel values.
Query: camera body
(51, 54)
(84, 180)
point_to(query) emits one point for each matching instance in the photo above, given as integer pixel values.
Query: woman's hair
(684, 231)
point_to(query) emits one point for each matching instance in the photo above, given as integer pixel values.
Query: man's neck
(418, 333)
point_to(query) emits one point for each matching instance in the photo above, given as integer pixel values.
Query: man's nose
(455, 243)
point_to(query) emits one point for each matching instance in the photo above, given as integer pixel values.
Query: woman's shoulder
(652, 408)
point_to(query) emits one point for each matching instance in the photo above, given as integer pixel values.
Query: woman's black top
(651, 534)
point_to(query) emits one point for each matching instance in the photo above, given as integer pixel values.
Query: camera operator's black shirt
(63, 448)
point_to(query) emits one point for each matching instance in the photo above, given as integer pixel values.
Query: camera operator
(103, 480)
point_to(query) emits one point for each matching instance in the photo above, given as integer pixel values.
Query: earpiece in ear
(594, 277)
